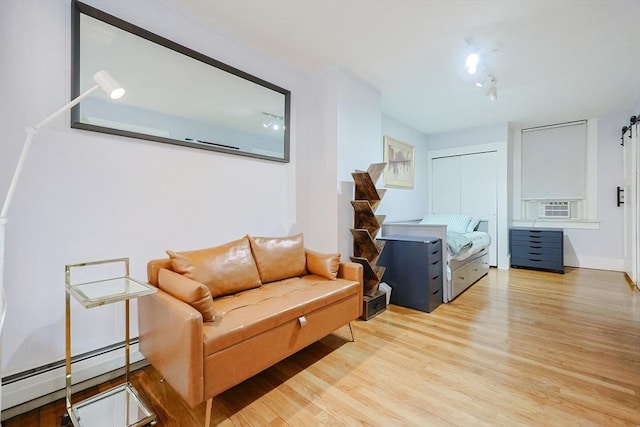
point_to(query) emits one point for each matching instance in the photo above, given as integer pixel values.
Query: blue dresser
(537, 248)
(414, 271)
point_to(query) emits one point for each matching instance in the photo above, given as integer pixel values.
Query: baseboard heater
(39, 386)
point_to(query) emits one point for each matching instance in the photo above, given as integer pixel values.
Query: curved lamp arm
(103, 80)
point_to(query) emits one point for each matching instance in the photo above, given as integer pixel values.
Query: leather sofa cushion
(224, 269)
(324, 265)
(279, 258)
(252, 312)
(193, 293)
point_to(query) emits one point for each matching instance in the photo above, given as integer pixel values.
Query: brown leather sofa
(223, 314)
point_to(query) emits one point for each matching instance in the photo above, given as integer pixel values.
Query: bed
(467, 242)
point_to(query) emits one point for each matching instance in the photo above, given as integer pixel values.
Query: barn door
(630, 198)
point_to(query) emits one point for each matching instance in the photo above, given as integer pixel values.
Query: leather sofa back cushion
(189, 291)
(279, 258)
(324, 265)
(225, 269)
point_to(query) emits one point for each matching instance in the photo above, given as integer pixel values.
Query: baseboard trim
(44, 385)
(598, 263)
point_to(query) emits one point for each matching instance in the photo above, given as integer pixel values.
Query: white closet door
(445, 185)
(630, 170)
(478, 193)
(467, 184)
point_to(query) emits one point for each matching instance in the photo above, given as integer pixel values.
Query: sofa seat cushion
(252, 312)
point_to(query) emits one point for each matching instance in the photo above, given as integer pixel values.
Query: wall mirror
(174, 94)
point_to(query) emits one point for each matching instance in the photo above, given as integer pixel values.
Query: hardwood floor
(518, 348)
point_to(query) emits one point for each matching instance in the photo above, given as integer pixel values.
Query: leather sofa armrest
(351, 271)
(171, 338)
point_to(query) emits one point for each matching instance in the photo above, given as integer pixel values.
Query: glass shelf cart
(119, 405)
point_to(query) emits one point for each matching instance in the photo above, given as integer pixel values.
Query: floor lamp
(103, 80)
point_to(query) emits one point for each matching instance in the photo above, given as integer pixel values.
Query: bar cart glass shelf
(121, 404)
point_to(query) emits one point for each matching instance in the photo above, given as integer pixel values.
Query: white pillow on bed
(457, 223)
(473, 224)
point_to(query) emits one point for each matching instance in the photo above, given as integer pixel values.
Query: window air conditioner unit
(555, 210)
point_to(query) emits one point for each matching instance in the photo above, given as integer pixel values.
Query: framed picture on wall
(400, 164)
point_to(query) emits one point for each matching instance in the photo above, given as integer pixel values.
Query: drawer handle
(435, 277)
(535, 260)
(303, 321)
(434, 252)
(536, 253)
(535, 247)
(435, 262)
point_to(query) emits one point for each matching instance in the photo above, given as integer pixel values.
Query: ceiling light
(481, 82)
(492, 91)
(472, 63)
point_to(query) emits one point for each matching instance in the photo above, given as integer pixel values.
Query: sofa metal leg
(207, 417)
(353, 338)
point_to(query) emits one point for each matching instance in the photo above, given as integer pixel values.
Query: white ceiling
(557, 60)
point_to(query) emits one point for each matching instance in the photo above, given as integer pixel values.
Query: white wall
(406, 204)
(603, 248)
(358, 142)
(88, 196)
(316, 180)
(470, 136)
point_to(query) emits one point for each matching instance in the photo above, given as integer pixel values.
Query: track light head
(492, 90)
(493, 93)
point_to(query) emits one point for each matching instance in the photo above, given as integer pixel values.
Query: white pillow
(455, 222)
(473, 224)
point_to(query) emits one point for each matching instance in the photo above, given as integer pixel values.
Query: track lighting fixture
(475, 62)
(485, 80)
(491, 89)
(473, 58)
(493, 93)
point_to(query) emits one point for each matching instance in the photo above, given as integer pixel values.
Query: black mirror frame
(79, 8)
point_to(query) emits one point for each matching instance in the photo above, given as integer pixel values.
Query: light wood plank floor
(519, 348)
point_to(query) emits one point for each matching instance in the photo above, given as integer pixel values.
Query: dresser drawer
(435, 282)
(543, 264)
(547, 239)
(435, 269)
(464, 276)
(434, 251)
(536, 252)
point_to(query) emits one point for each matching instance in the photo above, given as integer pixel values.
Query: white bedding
(479, 241)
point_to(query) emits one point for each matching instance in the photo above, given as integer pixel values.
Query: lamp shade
(108, 84)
